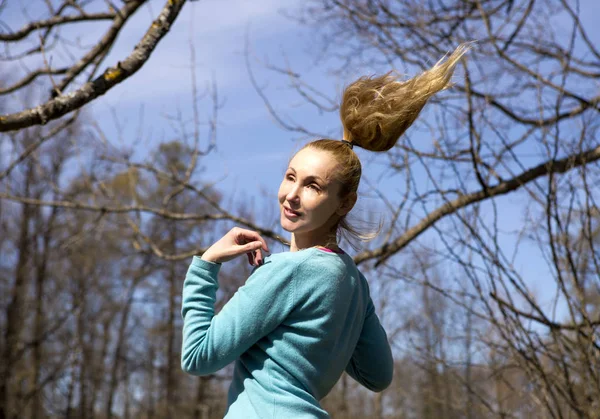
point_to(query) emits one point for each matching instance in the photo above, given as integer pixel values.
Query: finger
(258, 257)
(242, 236)
(250, 258)
(246, 248)
(237, 250)
(250, 247)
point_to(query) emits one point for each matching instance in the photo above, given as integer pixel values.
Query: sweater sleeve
(372, 364)
(210, 342)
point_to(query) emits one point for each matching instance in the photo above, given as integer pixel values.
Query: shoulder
(308, 265)
(326, 272)
(280, 265)
(322, 262)
(289, 260)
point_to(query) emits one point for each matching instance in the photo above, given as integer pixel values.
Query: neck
(325, 235)
(299, 242)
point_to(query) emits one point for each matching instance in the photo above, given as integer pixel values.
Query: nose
(292, 195)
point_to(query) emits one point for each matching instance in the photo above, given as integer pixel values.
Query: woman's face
(310, 190)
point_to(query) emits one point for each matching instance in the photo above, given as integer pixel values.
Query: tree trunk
(41, 264)
(150, 389)
(71, 390)
(13, 311)
(468, 381)
(99, 372)
(343, 407)
(81, 328)
(201, 409)
(36, 405)
(378, 405)
(171, 356)
(119, 348)
(171, 342)
(127, 404)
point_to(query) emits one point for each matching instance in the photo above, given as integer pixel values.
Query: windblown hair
(375, 112)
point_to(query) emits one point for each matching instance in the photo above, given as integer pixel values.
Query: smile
(290, 213)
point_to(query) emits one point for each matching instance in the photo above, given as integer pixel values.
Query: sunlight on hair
(376, 111)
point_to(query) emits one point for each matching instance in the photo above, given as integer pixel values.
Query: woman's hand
(235, 243)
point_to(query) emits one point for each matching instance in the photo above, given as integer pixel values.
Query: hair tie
(349, 143)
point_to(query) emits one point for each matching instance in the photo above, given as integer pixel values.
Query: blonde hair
(375, 112)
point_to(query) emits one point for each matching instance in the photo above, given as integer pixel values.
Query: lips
(291, 212)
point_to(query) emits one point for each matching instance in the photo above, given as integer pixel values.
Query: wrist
(207, 258)
(198, 262)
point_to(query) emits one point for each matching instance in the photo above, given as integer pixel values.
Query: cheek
(312, 207)
(282, 192)
(325, 209)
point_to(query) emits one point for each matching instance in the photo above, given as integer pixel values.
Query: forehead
(309, 162)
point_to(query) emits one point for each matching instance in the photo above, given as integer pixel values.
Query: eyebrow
(308, 177)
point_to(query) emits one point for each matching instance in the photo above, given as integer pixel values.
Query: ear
(347, 204)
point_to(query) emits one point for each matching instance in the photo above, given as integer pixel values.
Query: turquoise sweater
(300, 320)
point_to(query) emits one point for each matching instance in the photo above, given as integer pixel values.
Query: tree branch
(53, 21)
(450, 207)
(57, 107)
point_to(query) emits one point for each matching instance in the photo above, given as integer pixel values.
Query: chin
(286, 225)
(289, 226)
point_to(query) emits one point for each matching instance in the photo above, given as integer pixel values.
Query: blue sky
(252, 150)
(250, 147)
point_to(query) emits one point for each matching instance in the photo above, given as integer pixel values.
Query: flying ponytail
(376, 111)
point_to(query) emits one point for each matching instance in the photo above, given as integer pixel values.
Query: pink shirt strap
(326, 249)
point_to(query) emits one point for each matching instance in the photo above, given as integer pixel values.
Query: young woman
(305, 316)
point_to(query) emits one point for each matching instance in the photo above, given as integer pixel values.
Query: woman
(305, 316)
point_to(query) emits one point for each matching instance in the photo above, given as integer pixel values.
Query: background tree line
(95, 242)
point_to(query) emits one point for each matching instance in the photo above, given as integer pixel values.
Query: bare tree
(508, 168)
(521, 119)
(91, 240)
(62, 101)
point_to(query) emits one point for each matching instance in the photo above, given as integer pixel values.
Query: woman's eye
(312, 186)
